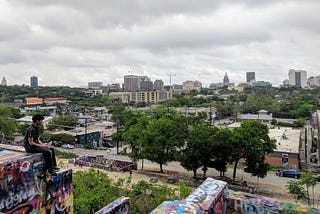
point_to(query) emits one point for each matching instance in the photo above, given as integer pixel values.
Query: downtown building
(153, 97)
(131, 83)
(4, 81)
(297, 78)
(251, 77)
(33, 81)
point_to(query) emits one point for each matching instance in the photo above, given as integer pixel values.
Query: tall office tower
(145, 84)
(251, 76)
(298, 78)
(4, 81)
(95, 84)
(34, 81)
(158, 85)
(131, 83)
(226, 79)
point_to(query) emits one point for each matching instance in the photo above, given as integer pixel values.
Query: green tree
(22, 129)
(135, 138)
(295, 188)
(222, 150)
(118, 116)
(65, 122)
(63, 137)
(309, 181)
(198, 149)
(163, 137)
(300, 122)
(251, 140)
(42, 112)
(93, 190)
(7, 123)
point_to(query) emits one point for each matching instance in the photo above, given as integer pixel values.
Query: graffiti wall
(249, 203)
(210, 197)
(23, 188)
(119, 206)
(177, 207)
(101, 162)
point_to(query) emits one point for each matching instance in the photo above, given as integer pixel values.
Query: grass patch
(66, 155)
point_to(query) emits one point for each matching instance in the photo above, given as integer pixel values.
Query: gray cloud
(76, 41)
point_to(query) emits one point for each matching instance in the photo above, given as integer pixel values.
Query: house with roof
(263, 116)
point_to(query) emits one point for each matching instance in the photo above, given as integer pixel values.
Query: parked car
(56, 143)
(289, 173)
(83, 124)
(317, 177)
(108, 143)
(67, 146)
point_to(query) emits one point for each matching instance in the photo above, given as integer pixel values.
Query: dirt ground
(135, 177)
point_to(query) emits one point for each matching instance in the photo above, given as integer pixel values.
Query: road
(271, 181)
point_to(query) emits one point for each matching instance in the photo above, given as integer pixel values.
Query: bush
(286, 124)
(66, 155)
(63, 137)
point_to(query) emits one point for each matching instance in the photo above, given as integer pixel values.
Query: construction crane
(171, 75)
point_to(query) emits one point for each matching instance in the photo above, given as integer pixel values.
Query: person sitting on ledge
(33, 144)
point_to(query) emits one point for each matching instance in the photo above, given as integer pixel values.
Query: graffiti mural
(119, 206)
(25, 189)
(249, 203)
(177, 207)
(101, 162)
(210, 197)
(208, 194)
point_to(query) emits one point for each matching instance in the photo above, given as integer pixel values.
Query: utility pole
(211, 115)
(85, 132)
(306, 148)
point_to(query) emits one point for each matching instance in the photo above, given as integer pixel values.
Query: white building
(142, 96)
(314, 81)
(4, 81)
(298, 78)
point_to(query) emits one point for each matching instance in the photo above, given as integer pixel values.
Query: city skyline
(72, 43)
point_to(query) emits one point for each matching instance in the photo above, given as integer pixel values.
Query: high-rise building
(226, 79)
(4, 81)
(145, 84)
(191, 85)
(251, 76)
(197, 85)
(131, 83)
(34, 81)
(158, 85)
(298, 78)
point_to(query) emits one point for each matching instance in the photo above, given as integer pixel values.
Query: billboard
(34, 101)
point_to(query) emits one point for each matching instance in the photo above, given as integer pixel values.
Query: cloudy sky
(72, 42)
